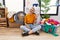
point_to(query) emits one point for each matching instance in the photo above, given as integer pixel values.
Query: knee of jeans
(39, 26)
(21, 27)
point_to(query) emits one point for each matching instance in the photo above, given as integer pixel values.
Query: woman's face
(32, 10)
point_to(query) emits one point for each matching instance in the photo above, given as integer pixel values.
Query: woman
(30, 20)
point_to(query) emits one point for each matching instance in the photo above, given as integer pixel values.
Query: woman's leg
(35, 29)
(31, 26)
(24, 28)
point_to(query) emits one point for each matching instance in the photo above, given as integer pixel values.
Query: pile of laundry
(50, 26)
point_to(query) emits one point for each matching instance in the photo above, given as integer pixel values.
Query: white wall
(29, 4)
(14, 5)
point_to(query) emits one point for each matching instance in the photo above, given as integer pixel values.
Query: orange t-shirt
(30, 18)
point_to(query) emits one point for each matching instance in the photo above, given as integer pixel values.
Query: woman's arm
(25, 21)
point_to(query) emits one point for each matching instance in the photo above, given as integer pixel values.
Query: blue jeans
(34, 28)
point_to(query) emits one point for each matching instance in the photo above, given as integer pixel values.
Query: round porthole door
(19, 17)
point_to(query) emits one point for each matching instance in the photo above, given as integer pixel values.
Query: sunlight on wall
(14, 5)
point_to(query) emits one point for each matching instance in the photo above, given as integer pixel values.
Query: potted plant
(0, 4)
(45, 5)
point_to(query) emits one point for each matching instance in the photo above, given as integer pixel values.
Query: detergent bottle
(37, 12)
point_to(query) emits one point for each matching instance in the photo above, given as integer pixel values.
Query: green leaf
(42, 10)
(47, 9)
(46, 16)
(44, 4)
(46, 1)
(0, 4)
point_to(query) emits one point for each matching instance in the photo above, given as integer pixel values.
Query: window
(53, 7)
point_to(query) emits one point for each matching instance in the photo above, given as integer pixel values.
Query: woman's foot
(36, 33)
(25, 34)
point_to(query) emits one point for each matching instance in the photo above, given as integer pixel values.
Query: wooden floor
(15, 34)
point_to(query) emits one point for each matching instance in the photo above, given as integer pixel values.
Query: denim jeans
(34, 28)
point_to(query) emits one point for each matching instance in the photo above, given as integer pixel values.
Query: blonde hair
(32, 8)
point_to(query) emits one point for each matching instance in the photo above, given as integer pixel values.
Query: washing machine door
(19, 17)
